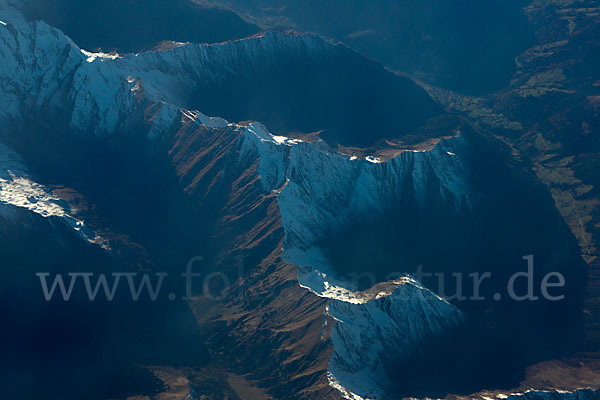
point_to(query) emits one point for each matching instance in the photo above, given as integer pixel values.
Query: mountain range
(313, 181)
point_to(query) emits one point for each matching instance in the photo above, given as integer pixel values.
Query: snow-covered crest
(317, 187)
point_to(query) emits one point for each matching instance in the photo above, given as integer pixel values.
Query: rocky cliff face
(370, 339)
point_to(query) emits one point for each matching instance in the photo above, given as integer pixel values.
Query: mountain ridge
(238, 171)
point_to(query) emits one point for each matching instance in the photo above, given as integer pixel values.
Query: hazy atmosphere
(276, 199)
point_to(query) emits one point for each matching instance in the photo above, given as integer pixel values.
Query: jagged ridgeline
(293, 84)
(134, 25)
(302, 84)
(462, 45)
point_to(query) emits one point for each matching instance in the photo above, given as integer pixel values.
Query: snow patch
(394, 323)
(211, 122)
(91, 57)
(532, 394)
(24, 193)
(346, 394)
(261, 132)
(17, 189)
(323, 286)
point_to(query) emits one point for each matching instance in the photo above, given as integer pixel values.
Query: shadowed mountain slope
(133, 25)
(465, 45)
